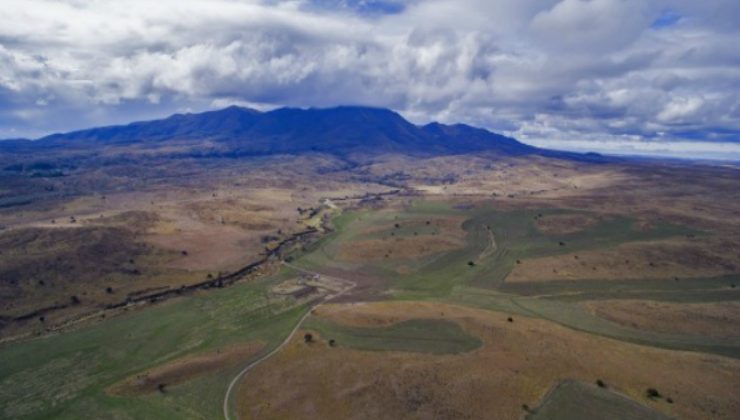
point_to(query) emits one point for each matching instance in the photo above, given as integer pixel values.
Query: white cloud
(538, 69)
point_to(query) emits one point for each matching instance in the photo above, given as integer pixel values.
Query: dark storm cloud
(611, 75)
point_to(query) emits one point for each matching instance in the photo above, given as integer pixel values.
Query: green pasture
(577, 400)
(435, 336)
(66, 375)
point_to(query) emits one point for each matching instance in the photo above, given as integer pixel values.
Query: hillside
(244, 131)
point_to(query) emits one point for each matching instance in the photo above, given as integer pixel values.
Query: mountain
(237, 131)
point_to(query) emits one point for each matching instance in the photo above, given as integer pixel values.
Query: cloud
(617, 71)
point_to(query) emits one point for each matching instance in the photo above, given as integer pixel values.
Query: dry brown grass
(567, 223)
(519, 362)
(715, 319)
(448, 235)
(666, 259)
(404, 248)
(185, 369)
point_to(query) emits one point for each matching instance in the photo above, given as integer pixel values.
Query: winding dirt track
(251, 365)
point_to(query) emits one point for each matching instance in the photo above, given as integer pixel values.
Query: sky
(654, 77)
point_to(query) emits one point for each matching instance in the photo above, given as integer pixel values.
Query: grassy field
(576, 400)
(71, 375)
(67, 375)
(418, 335)
(495, 241)
(449, 276)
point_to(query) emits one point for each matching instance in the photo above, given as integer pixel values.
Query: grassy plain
(74, 374)
(514, 268)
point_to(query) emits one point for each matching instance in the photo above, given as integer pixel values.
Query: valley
(364, 285)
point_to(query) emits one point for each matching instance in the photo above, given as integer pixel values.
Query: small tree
(161, 388)
(109, 290)
(332, 343)
(600, 383)
(471, 263)
(308, 338)
(510, 319)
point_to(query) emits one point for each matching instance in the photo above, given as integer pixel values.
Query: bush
(600, 383)
(471, 263)
(652, 393)
(308, 338)
(332, 343)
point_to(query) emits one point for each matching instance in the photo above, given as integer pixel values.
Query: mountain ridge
(240, 131)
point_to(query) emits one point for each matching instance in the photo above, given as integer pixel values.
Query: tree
(308, 338)
(471, 263)
(109, 290)
(161, 388)
(600, 383)
(332, 343)
(75, 300)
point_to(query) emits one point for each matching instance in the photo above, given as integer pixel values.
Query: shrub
(600, 383)
(471, 263)
(332, 343)
(308, 338)
(652, 393)
(109, 290)
(510, 319)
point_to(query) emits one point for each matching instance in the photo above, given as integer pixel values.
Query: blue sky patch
(666, 19)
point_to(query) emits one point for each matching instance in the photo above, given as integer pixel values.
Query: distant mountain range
(238, 131)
